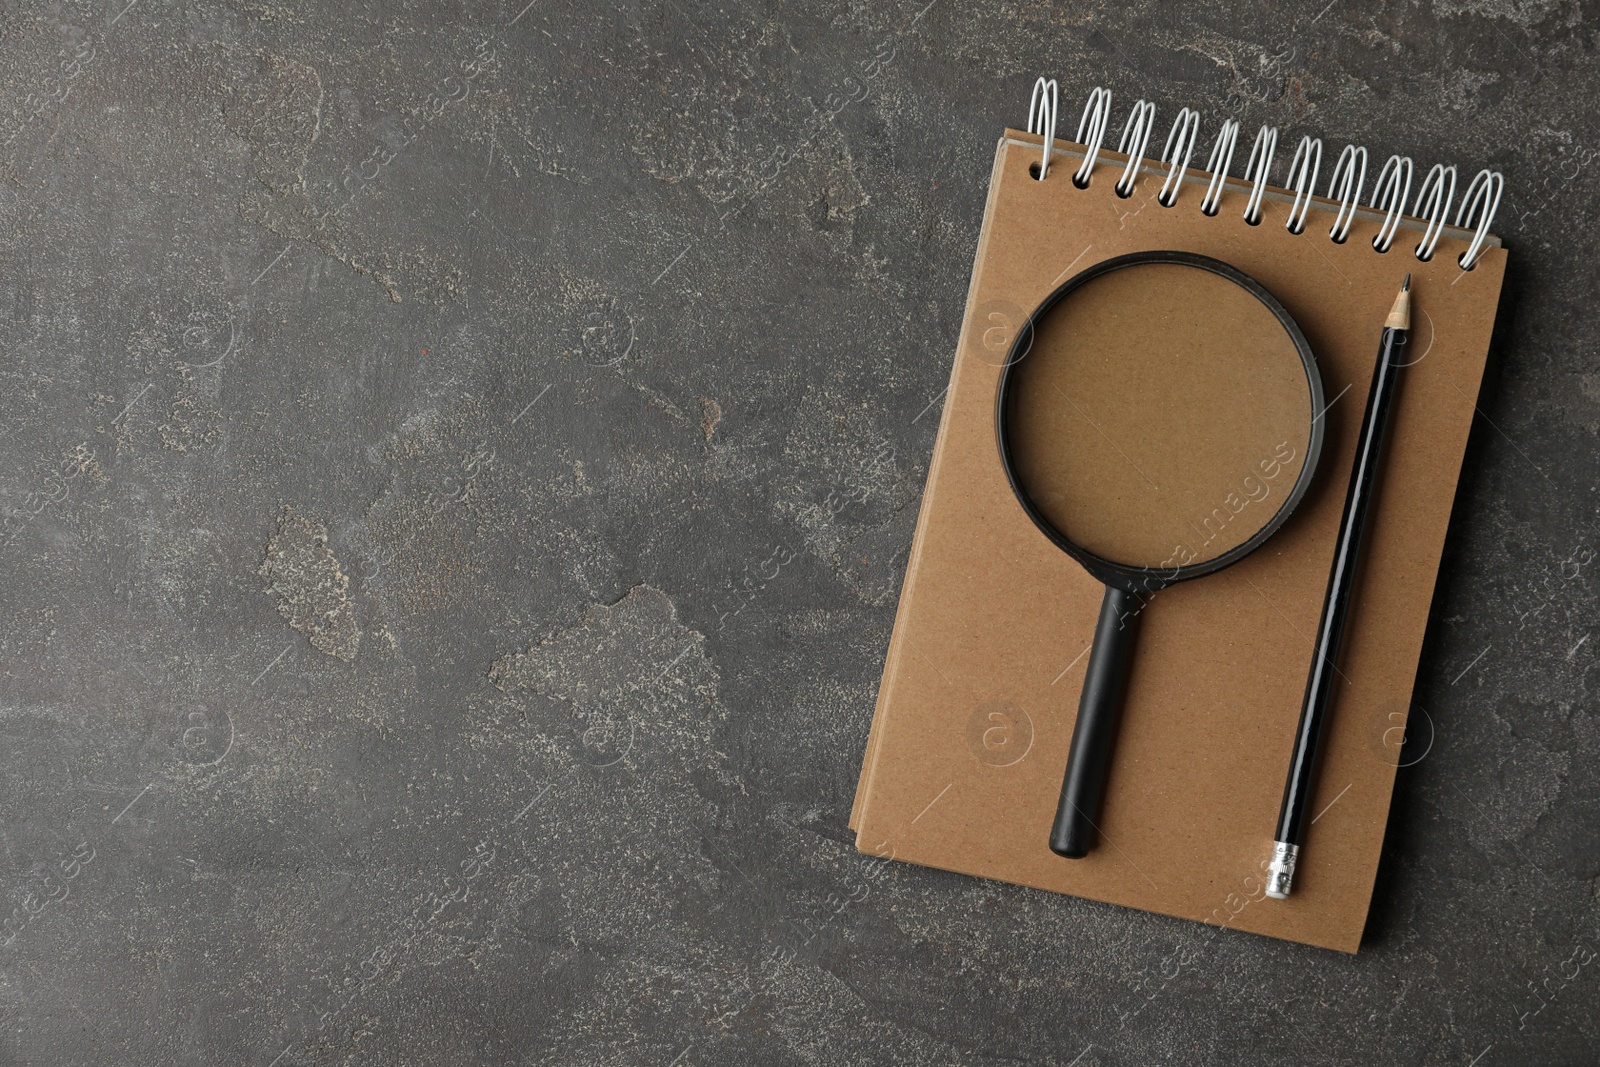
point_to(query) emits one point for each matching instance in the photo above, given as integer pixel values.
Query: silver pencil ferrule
(1280, 872)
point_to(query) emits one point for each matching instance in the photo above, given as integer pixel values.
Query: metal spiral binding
(1042, 118)
(1389, 196)
(1346, 184)
(1352, 169)
(1482, 200)
(1134, 142)
(1096, 114)
(1181, 139)
(1221, 160)
(1256, 170)
(1303, 179)
(1436, 194)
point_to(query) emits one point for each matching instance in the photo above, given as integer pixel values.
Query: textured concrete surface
(457, 462)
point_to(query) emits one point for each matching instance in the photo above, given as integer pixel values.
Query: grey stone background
(457, 462)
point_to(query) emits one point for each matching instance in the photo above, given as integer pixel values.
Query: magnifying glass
(1159, 417)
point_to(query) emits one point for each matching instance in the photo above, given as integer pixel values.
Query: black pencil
(1295, 815)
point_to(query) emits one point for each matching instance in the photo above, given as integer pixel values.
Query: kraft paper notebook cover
(980, 686)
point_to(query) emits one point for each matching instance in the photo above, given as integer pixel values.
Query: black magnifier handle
(1105, 684)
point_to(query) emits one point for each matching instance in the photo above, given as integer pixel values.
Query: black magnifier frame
(1127, 588)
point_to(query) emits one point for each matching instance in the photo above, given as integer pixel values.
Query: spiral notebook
(981, 682)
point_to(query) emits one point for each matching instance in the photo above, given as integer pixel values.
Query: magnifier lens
(1160, 417)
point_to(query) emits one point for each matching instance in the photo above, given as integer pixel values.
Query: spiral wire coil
(1134, 142)
(1096, 114)
(1042, 118)
(1391, 193)
(1345, 186)
(1256, 171)
(1180, 142)
(1221, 160)
(1303, 179)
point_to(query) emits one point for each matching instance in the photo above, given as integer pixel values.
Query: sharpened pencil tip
(1400, 314)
